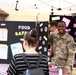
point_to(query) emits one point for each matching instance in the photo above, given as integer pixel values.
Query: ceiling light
(16, 5)
(52, 13)
(52, 9)
(59, 9)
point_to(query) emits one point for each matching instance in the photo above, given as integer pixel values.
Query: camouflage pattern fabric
(63, 51)
(50, 39)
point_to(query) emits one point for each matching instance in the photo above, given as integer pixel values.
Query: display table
(54, 70)
(3, 69)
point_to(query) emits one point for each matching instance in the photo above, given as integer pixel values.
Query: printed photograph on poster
(74, 25)
(3, 69)
(3, 34)
(56, 18)
(66, 20)
(3, 51)
(16, 48)
(41, 25)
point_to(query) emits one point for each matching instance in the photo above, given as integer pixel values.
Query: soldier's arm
(50, 39)
(50, 42)
(51, 49)
(71, 52)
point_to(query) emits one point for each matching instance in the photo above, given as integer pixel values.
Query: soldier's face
(61, 27)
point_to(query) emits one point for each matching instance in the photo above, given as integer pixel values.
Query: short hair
(31, 37)
(63, 22)
(53, 23)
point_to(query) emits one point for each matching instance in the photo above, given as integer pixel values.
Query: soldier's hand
(65, 71)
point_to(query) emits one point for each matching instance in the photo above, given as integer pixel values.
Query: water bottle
(27, 72)
(60, 71)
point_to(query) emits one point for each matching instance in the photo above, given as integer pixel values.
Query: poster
(11, 38)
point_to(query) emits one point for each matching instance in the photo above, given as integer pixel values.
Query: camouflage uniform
(50, 37)
(63, 53)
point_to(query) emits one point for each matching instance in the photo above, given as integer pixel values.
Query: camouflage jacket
(63, 50)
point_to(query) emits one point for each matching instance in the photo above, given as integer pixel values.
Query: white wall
(24, 15)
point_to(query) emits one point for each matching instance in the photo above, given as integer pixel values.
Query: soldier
(63, 49)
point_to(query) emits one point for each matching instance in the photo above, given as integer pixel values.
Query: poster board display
(42, 28)
(11, 36)
(11, 39)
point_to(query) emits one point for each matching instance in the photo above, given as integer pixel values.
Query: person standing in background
(52, 27)
(52, 30)
(63, 49)
(18, 64)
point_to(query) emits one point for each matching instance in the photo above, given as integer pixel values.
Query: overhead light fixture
(52, 10)
(70, 9)
(16, 5)
(59, 9)
(52, 13)
(35, 6)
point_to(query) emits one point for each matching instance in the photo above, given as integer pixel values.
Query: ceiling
(46, 6)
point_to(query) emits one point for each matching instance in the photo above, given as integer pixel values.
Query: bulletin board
(42, 28)
(11, 37)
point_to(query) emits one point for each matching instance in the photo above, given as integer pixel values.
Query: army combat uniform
(63, 51)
